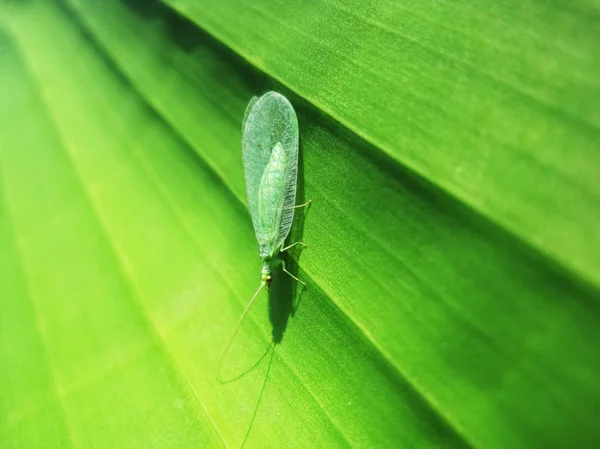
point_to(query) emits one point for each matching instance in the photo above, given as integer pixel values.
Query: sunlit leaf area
(451, 153)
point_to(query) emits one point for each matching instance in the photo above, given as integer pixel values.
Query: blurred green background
(451, 153)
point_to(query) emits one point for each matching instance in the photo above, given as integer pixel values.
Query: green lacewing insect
(270, 158)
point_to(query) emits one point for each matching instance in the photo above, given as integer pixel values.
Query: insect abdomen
(271, 196)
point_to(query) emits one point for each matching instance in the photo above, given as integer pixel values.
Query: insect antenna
(237, 328)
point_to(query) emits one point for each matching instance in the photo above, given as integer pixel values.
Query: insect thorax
(267, 268)
(267, 249)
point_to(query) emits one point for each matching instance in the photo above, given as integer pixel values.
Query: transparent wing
(269, 121)
(248, 109)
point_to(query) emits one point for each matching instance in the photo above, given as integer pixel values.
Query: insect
(270, 158)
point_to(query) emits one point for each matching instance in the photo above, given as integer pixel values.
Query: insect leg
(291, 275)
(292, 245)
(302, 205)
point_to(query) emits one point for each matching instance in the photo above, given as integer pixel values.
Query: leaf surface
(128, 255)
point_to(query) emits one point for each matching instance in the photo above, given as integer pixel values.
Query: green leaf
(467, 94)
(452, 295)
